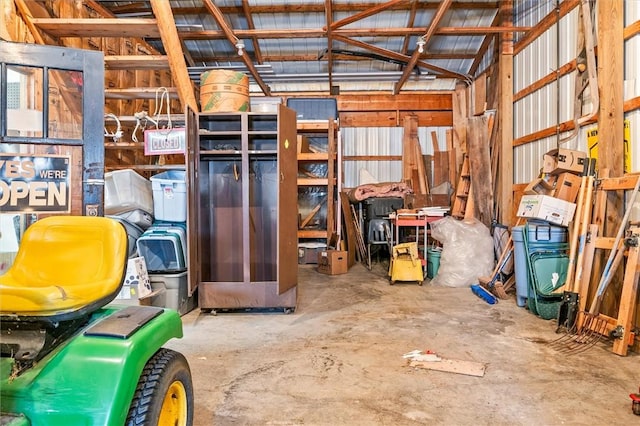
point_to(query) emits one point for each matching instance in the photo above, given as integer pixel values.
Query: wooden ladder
(463, 200)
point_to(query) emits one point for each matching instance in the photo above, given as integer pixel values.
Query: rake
(589, 326)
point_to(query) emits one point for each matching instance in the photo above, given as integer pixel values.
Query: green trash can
(433, 261)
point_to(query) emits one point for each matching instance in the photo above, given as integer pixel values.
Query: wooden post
(611, 120)
(171, 42)
(505, 115)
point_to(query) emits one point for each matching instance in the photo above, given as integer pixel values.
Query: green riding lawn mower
(71, 358)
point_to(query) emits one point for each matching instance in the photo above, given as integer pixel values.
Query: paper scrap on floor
(431, 361)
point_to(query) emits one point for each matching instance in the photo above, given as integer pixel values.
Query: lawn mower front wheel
(164, 394)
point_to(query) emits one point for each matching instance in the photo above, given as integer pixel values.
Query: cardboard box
(562, 160)
(332, 262)
(137, 284)
(567, 187)
(540, 186)
(547, 208)
(308, 253)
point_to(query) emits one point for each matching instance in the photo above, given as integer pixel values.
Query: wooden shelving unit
(312, 219)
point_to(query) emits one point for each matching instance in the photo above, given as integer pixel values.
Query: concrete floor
(337, 360)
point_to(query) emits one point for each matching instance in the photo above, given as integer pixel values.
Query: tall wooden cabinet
(242, 211)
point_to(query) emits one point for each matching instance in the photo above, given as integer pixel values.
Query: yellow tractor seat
(66, 267)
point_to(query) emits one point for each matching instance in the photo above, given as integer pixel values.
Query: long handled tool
(568, 310)
(589, 326)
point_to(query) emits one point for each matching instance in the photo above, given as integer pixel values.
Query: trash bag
(467, 251)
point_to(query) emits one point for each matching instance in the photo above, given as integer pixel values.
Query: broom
(491, 282)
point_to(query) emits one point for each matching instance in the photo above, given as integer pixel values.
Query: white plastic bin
(170, 196)
(125, 190)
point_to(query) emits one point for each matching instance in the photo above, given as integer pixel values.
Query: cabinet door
(287, 200)
(193, 205)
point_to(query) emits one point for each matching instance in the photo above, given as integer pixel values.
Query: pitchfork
(589, 327)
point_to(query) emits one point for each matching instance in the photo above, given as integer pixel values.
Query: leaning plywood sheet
(468, 368)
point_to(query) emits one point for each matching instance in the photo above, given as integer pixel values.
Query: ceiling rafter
(246, 9)
(329, 21)
(410, 23)
(140, 8)
(365, 13)
(233, 39)
(399, 57)
(352, 32)
(442, 9)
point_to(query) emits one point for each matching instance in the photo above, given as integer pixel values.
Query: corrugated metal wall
(539, 110)
(553, 103)
(382, 141)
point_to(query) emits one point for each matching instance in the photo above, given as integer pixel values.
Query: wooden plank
(133, 92)
(173, 47)
(610, 43)
(479, 94)
(313, 212)
(394, 119)
(480, 169)
(549, 20)
(625, 182)
(372, 158)
(403, 102)
(505, 115)
(584, 275)
(139, 62)
(99, 27)
(628, 297)
(459, 116)
(350, 228)
(451, 157)
(468, 368)
(440, 162)
(544, 81)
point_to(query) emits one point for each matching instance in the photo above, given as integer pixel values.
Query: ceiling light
(421, 42)
(240, 47)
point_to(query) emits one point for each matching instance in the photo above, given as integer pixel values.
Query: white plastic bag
(467, 251)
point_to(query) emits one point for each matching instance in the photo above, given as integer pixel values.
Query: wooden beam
(394, 118)
(138, 93)
(410, 24)
(329, 19)
(167, 28)
(248, 15)
(100, 27)
(505, 117)
(566, 6)
(631, 30)
(136, 62)
(442, 9)
(364, 14)
(611, 77)
(233, 39)
(348, 32)
(404, 102)
(483, 48)
(399, 57)
(547, 79)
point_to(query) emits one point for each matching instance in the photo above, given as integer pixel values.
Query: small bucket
(224, 91)
(433, 261)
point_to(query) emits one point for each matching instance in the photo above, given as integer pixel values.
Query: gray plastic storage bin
(172, 292)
